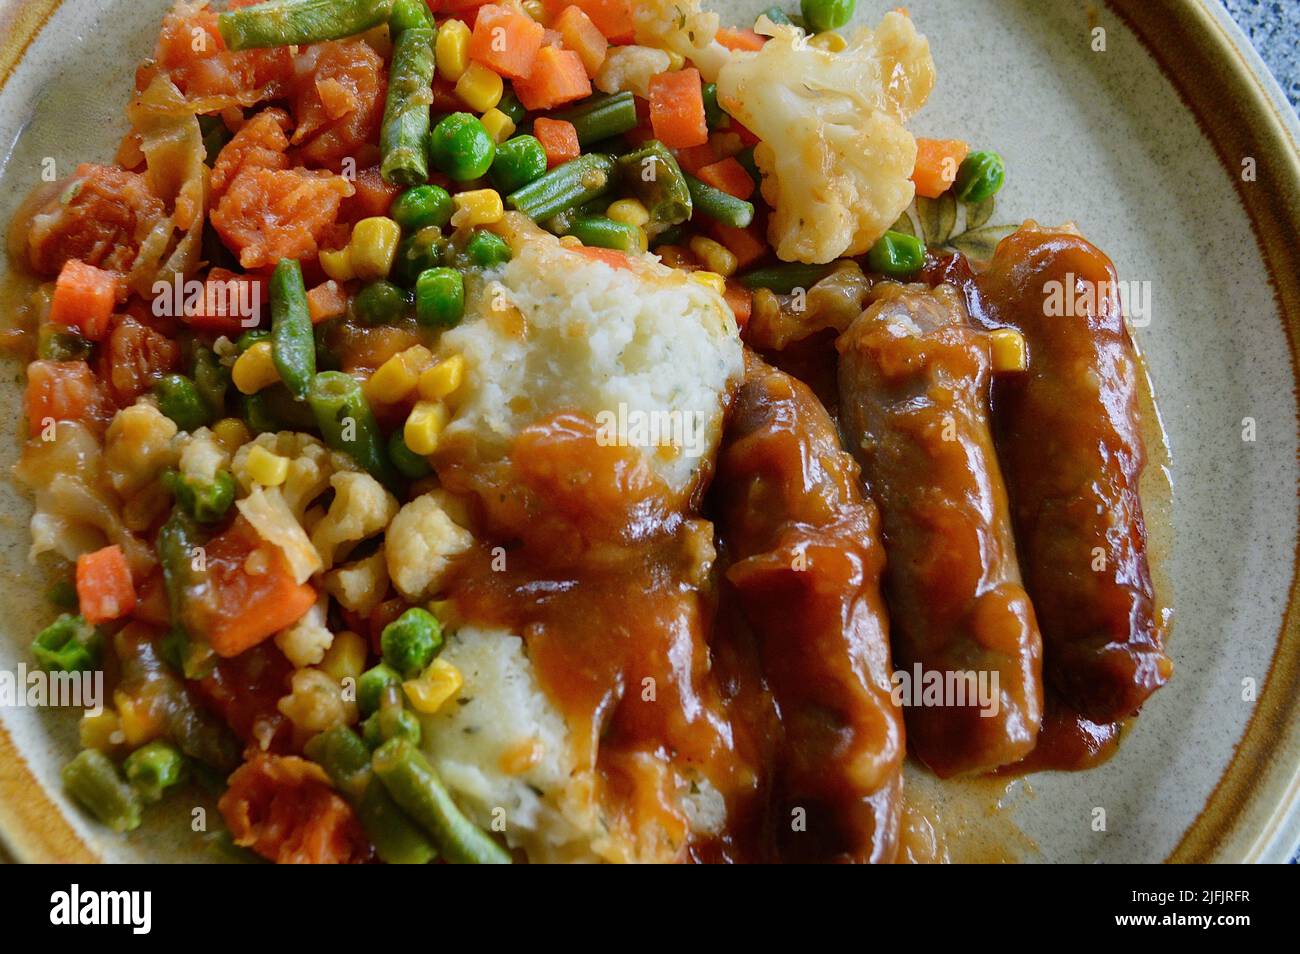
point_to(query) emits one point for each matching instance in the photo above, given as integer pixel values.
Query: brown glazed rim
(1198, 56)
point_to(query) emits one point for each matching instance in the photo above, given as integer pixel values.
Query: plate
(1112, 116)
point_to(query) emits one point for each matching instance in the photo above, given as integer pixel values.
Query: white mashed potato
(646, 352)
(505, 752)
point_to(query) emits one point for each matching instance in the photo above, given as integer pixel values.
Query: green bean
(346, 760)
(93, 780)
(746, 159)
(179, 399)
(290, 22)
(153, 768)
(63, 594)
(191, 727)
(250, 338)
(69, 644)
(215, 136)
(408, 15)
(408, 463)
(718, 205)
(211, 378)
(406, 110)
(395, 722)
(776, 15)
(511, 106)
(603, 232)
(565, 187)
(653, 176)
(601, 117)
(293, 342)
(177, 541)
(348, 424)
(206, 500)
(410, 779)
(61, 344)
(783, 279)
(714, 115)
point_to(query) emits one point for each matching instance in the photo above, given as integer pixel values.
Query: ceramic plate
(1154, 127)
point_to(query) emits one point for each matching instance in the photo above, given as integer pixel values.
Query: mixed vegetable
(330, 173)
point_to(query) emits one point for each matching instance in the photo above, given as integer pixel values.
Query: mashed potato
(505, 752)
(644, 349)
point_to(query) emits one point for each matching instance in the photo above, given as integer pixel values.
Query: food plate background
(1134, 144)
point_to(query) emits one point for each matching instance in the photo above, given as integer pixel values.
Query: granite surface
(1274, 27)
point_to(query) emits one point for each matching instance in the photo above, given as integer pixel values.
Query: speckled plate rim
(1253, 813)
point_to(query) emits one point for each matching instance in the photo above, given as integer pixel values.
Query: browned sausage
(1067, 435)
(914, 380)
(806, 567)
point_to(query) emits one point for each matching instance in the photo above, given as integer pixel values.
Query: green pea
(69, 644)
(410, 642)
(896, 255)
(519, 161)
(980, 177)
(371, 686)
(153, 768)
(826, 14)
(408, 463)
(461, 147)
(486, 249)
(180, 400)
(439, 298)
(379, 303)
(424, 250)
(421, 207)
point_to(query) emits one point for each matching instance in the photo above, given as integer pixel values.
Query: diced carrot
(611, 257)
(63, 391)
(230, 303)
(558, 77)
(746, 135)
(104, 588)
(559, 138)
(677, 109)
(582, 37)
(613, 18)
(747, 244)
(729, 176)
(937, 161)
(327, 300)
(740, 39)
(695, 158)
(83, 298)
(373, 195)
(505, 41)
(741, 301)
(455, 6)
(246, 607)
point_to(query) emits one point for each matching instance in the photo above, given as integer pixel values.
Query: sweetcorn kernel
(1007, 347)
(337, 264)
(715, 256)
(479, 88)
(424, 426)
(397, 377)
(710, 280)
(451, 50)
(255, 369)
(498, 125)
(477, 207)
(266, 468)
(434, 686)
(443, 378)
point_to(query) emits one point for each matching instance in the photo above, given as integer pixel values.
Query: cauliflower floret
(420, 545)
(835, 158)
(202, 455)
(139, 444)
(681, 26)
(269, 513)
(631, 68)
(316, 703)
(311, 464)
(359, 586)
(361, 507)
(306, 641)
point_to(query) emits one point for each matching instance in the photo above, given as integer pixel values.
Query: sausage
(806, 562)
(914, 380)
(1068, 438)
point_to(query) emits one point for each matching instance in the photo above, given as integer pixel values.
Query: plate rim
(1253, 812)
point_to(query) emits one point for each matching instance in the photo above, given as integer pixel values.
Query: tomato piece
(338, 101)
(135, 357)
(64, 391)
(270, 214)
